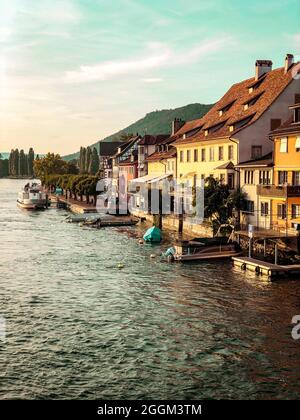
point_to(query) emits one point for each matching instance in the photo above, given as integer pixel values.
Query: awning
(143, 179)
(160, 178)
(188, 175)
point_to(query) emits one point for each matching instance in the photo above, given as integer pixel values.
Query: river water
(80, 326)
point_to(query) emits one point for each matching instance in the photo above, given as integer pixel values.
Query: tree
(94, 163)
(126, 137)
(4, 167)
(215, 202)
(22, 163)
(87, 159)
(237, 202)
(50, 164)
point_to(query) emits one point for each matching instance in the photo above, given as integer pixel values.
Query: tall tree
(94, 163)
(87, 159)
(22, 163)
(30, 161)
(83, 159)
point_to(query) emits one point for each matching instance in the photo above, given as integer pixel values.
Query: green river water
(78, 326)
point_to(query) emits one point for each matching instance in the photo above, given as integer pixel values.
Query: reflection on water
(78, 326)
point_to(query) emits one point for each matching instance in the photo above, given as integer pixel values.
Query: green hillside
(157, 122)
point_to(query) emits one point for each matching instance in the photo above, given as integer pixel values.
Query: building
(254, 173)
(146, 147)
(106, 150)
(284, 193)
(237, 127)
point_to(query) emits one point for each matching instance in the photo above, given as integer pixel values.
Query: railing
(278, 190)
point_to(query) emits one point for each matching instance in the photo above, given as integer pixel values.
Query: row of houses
(250, 139)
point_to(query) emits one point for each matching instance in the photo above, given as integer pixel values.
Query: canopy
(160, 178)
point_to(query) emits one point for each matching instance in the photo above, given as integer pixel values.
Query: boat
(32, 197)
(153, 235)
(203, 249)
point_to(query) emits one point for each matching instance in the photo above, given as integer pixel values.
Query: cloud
(159, 56)
(56, 11)
(152, 80)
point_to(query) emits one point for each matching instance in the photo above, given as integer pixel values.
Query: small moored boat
(32, 197)
(203, 249)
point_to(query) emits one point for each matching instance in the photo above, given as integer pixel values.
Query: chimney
(289, 61)
(262, 67)
(176, 125)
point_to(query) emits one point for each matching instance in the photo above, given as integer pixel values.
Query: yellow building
(285, 192)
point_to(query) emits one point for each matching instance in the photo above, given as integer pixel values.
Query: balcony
(280, 191)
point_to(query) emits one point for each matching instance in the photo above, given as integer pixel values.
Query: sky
(75, 71)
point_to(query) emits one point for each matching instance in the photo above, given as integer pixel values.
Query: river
(78, 326)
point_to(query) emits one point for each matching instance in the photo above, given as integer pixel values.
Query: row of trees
(73, 186)
(88, 160)
(20, 163)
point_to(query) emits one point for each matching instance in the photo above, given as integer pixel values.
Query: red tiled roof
(156, 156)
(273, 83)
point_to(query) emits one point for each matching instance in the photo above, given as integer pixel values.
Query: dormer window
(255, 85)
(214, 128)
(225, 108)
(240, 123)
(252, 101)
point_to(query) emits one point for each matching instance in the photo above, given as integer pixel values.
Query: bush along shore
(75, 187)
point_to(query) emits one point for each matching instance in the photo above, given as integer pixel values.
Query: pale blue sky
(74, 71)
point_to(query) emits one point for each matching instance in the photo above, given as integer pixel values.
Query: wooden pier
(264, 268)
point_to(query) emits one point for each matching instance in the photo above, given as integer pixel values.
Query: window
(181, 156)
(249, 177)
(297, 115)
(297, 145)
(256, 152)
(169, 163)
(211, 154)
(221, 152)
(264, 209)
(297, 98)
(195, 155)
(230, 152)
(282, 177)
(173, 165)
(203, 157)
(283, 145)
(188, 155)
(250, 206)
(296, 178)
(295, 211)
(281, 211)
(264, 177)
(275, 123)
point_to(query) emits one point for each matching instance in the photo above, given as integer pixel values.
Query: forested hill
(157, 122)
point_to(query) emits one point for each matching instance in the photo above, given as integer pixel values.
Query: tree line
(18, 164)
(73, 186)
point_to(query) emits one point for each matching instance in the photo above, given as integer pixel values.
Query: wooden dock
(265, 268)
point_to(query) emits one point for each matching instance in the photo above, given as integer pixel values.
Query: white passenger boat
(32, 197)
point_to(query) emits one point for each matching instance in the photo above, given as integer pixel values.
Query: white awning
(160, 178)
(143, 179)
